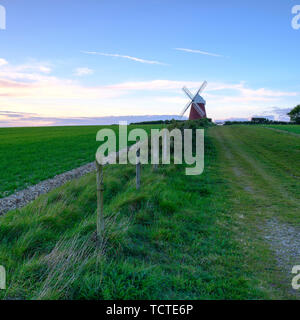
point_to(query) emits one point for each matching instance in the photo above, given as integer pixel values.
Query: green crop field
(30, 155)
(286, 127)
(220, 235)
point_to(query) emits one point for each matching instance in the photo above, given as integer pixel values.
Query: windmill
(197, 104)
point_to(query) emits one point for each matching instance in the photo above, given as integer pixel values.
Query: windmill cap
(199, 99)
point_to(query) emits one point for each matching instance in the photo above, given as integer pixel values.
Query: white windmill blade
(185, 108)
(200, 111)
(188, 92)
(203, 86)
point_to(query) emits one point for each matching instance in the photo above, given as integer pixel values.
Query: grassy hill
(179, 237)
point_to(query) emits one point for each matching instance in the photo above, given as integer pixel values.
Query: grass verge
(179, 237)
(174, 239)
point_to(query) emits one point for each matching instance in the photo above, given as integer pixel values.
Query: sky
(73, 60)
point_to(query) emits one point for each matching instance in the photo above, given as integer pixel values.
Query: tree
(295, 114)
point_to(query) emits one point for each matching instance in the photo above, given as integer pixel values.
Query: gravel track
(23, 197)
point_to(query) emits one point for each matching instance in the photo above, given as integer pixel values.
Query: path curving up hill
(262, 167)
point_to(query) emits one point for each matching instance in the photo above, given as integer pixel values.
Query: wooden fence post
(100, 189)
(138, 169)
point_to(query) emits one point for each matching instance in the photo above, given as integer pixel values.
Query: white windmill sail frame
(188, 92)
(198, 109)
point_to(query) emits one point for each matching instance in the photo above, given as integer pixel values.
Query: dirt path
(23, 197)
(284, 131)
(264, 193)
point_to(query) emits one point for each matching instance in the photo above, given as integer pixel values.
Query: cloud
(11, 84)
(29, 72)
(34, 91)
(33, 68)
(262, 92)
(12, 114)
(280, 113)
(83, 72)
(240, 89)
(3, 62)
(9, 118)
(152, 85)
(199, 51)
(171, 99)
(124, 57)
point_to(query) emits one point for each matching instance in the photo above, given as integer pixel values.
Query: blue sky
(93, 58)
